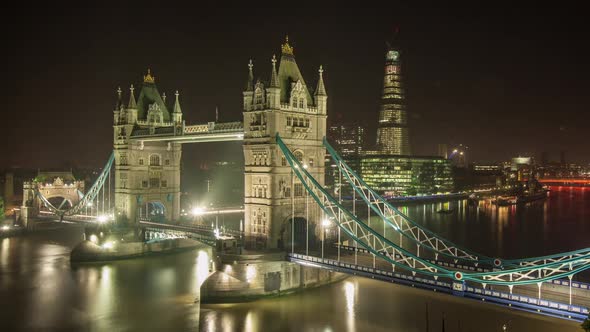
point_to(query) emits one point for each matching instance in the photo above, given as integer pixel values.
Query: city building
(393, 133)
(404, 175)
(348, 139)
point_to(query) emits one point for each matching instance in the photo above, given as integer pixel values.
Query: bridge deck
(383, 271)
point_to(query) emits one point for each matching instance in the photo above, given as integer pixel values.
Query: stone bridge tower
(281, 105)
(147, 173)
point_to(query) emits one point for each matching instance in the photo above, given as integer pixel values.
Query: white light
(108, 245)
(216, 232)
(305, 166)
(250, 273)
(93, 238)
(5, 228)
(197, 211)
(89, 204)
(325, 222)
(102, 219)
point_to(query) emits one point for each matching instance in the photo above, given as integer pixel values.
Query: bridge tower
(147, 173)
(285, 106)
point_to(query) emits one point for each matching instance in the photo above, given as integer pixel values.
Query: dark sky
(502, 80)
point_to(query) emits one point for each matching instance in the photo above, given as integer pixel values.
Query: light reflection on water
(39, 289)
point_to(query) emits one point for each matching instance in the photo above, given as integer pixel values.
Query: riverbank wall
(243, 278)
(88, 251)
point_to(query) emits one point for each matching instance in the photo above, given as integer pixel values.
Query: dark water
(41, 290)
(559, 223)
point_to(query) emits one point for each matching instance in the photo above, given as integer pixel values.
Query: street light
(197, 211)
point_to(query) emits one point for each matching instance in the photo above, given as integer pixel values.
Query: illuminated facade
(405, 175)
(349, 140)
(392, 134)
(273, 197)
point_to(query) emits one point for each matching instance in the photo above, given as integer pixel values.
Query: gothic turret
(177, 114)
(131, 107)
(321, 97)
(273, 93)
(118, 106)
(249, 92)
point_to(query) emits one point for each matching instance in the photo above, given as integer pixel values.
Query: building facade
(392, 133)
(285, 106)
(147, 174)
(349, 140)
(404, 175)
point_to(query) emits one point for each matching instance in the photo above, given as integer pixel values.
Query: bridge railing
(552, 308)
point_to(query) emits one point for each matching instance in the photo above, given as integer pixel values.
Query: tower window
(167, 162)
(154, 182)
(301, 103)
(141, 161)
(154, 160)
(298, 189)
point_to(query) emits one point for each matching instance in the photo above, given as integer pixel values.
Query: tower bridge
(286, 205)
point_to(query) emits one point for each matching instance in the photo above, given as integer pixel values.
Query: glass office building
(404, 175)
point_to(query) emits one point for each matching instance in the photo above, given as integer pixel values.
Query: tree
(1, 207)
(586, 324)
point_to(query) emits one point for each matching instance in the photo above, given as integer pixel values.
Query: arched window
(154, 160)
(298, 155)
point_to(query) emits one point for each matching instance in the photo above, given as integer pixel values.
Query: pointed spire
(164, 97)
(132, 103)
(250, 84)
(321, 90)
(119, 101)
(177, 104)
(274, 80)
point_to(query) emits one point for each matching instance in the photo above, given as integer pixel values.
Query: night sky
(503, 81)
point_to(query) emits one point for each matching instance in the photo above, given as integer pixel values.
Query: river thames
(41, 290)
